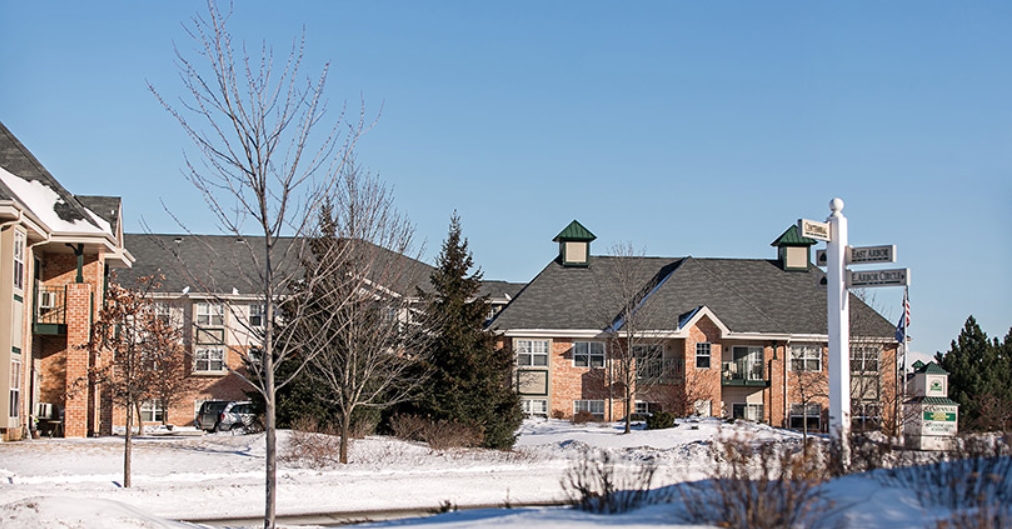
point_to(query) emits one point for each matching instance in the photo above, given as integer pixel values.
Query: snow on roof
(44, 201)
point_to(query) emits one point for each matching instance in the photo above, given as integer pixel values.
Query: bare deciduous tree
(370, 347)
(628, 282)
(128, 339)
(168, 354)
(266, 160)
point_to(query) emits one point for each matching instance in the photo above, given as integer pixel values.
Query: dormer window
(793, 250)
(574, 245)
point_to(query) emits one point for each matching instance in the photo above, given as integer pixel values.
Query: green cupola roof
(932, 368)
(791, 237)
(575, 232)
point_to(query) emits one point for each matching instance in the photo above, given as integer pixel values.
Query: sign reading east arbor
(862, 255)
(871, 254)
(896, 277)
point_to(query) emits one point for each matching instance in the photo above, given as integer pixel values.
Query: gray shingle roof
(216, 264)
(747, 295)
(17, 160)
(106, 207)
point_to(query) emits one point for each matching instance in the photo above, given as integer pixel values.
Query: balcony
(50, 311)
(744, 372)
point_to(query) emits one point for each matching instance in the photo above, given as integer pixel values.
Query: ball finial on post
(836, 205)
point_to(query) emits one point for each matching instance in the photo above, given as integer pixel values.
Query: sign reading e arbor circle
(896, 277)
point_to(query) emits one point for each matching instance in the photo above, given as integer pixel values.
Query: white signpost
(838, 279)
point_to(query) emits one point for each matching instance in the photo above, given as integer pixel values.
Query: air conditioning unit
(47, 300)
(44, 410)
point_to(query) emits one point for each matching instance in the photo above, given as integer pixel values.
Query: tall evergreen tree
(974, 371)
(471, 379)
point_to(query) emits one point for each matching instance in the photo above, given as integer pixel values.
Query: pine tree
(471, 379)
(974, 370)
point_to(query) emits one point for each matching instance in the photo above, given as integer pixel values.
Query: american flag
(904, 324)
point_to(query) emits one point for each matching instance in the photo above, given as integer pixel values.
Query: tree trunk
(345, 431)
(271, 452)
(140, 418)
(127, 445)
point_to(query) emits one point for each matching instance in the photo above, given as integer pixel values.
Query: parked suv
(224, 415)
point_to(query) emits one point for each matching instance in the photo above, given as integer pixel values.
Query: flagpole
(902, 360)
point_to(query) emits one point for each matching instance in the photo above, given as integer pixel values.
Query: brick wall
(76, 409)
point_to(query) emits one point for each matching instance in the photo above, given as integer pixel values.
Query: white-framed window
(649, 362)
(537, 407)
(532, 353)
(152, 411)
(209, 360)
(749, 412)
(210, 314)
(806, 357)
(703, 355)
(865, 415)
(810, 414)
(594, 407)
(256, 315)
(643, 407)
(864, 358)
(15, 389)
(19, 260)
(163, 312)
(588, 354)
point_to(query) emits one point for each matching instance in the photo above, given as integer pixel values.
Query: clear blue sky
(685, 128)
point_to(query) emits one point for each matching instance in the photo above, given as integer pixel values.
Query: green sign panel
(939, 416)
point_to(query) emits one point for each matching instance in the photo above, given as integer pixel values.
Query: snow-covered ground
(76, 483)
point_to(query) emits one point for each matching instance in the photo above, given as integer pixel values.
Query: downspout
(769, 390)
(786, 365)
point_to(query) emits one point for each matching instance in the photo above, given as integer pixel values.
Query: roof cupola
(574, 245)
(793, 250)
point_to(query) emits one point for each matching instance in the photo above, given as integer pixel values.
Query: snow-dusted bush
(975, 474)
(758, 485)
(596, 483)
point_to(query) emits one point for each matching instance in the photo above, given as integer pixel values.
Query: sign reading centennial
(814, 229)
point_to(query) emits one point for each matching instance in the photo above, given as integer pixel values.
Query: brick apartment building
(743, 338)
(205, 293)
(56, 249)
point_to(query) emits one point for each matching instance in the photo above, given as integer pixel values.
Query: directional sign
(897, 277)
(862, 255)
(871, 254)
(814, 229)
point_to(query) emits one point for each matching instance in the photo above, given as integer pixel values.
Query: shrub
(558, 414)
(311, 444)
(443, 435)
(758, 485)
(975, 474)
(583, 417)
(660, 420)
(594, 484)
(408, 427)
(439, 435)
